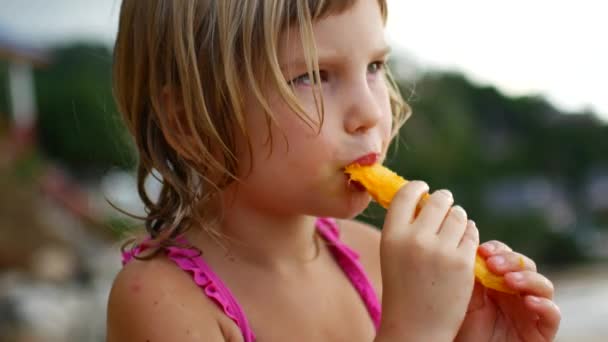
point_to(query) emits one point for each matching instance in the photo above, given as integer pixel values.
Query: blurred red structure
(22, 59)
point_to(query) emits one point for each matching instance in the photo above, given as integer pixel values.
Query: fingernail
(498, 260)
(459, 210)
(446, 193)
(534, 299)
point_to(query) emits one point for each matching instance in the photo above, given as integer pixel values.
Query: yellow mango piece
(382, 184)
(489, 279)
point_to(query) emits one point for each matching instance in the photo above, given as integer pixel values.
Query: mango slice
(382, 184)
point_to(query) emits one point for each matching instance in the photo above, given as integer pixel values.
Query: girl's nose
(363, 110)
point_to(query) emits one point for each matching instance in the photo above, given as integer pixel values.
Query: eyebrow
(331, 58)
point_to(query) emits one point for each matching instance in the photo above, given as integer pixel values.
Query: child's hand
(495, 316)
(427, 266)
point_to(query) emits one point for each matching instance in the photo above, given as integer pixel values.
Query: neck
(261, 237)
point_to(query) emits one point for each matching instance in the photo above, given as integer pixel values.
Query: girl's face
(304, 174)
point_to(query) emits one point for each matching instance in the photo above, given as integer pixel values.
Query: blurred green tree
(4, 94)
(467, 137)
(78, 123)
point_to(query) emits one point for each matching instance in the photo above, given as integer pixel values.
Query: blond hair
(207, 55)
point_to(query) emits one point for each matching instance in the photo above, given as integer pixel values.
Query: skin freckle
(135, 287)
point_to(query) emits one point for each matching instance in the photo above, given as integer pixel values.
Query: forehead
(357, 30)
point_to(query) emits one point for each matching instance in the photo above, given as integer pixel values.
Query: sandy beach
(582, 295)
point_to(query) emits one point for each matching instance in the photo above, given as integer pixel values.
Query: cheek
(306, 155)
(295, 167)
(295, 146)
(384, 103)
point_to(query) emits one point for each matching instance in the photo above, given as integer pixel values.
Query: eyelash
(380, 65)
(304, 77)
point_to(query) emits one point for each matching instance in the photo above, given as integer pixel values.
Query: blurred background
(510, 113)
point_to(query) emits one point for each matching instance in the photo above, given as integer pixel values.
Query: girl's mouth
(366, 160)
(354, 185)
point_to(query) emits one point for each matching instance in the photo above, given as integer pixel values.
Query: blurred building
(596, 190)
(21, 59)
(521, 196)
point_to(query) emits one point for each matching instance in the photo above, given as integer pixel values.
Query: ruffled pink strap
(191, 261)
(349, 262)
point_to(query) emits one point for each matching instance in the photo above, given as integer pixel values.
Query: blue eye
(304, 79)
(301, 80)
(375, 67)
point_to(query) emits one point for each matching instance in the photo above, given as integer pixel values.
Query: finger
(453, 227)
(403, 206)
(489, 248)
(530, 282)
(510, 262)
(470, 238)
(548, 313)
(435, 210)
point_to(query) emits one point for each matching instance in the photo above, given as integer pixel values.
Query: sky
(557, 49)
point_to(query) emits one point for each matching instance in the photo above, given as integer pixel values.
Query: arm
(150, 302)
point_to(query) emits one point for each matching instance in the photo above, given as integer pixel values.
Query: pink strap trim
(348, 260)
(190, 260)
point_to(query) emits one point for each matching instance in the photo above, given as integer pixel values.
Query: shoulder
(365, 240)
(157, 301)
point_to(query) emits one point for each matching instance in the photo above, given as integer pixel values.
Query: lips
(366, 160)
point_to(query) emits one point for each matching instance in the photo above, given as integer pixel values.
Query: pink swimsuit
(191, 261)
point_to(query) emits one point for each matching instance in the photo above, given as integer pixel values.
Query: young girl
(249, 111)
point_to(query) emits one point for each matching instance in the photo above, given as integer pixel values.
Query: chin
(337, 200)
(352, 207)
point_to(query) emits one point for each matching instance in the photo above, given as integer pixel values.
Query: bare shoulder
(154, 300)
(365, 240)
